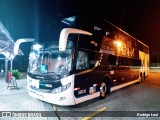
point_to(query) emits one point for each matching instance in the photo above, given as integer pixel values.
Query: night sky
(29, 18)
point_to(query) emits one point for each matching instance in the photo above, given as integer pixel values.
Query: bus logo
(81, 92)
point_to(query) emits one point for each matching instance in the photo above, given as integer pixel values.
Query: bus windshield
(47, 59)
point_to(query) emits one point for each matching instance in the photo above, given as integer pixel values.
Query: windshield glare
(47, 59)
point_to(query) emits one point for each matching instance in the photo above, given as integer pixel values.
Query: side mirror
(64, 36)
(19, 41)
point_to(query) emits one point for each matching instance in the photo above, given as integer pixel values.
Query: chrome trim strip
(83, 72)
(124, 85)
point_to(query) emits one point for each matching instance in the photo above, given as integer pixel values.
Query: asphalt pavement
(18, 100)
(134, 98)
(128, 101)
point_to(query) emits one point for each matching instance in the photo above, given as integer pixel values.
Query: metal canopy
(7, 43)
(9, 48)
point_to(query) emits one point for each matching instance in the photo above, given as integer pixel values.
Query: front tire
(104, 89)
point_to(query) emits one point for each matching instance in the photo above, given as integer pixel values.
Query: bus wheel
(103, 90)
(144, 76)
(141, 78)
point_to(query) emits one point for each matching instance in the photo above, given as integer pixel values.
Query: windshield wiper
(55, 74)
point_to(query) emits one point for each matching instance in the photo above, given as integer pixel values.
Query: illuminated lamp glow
(11, 56)
(33, 56)
(59, 58)
(7, 54)
(118, 43)
(37, 47)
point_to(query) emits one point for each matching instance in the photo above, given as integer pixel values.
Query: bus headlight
(61, 89)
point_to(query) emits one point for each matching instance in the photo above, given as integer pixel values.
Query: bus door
(87, 78)
(82, 81)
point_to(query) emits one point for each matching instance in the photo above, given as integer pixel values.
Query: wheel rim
(103, 89)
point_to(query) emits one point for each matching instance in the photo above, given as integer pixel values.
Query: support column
(6, 68)
(11, 64)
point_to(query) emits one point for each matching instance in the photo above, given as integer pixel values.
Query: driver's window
(82, 61)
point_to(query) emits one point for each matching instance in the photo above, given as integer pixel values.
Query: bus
(90, 58)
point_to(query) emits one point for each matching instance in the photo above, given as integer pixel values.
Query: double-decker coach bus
(91, 58)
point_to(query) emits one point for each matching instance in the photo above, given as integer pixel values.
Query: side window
(82, 61)
(112, 60)
(92, 59)
(136, 62)
(124, 63)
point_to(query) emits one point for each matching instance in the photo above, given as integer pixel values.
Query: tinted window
(129, 61)
(86, 60)
(82, 61)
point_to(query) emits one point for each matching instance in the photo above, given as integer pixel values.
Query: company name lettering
(81, 92)
(126, 51)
